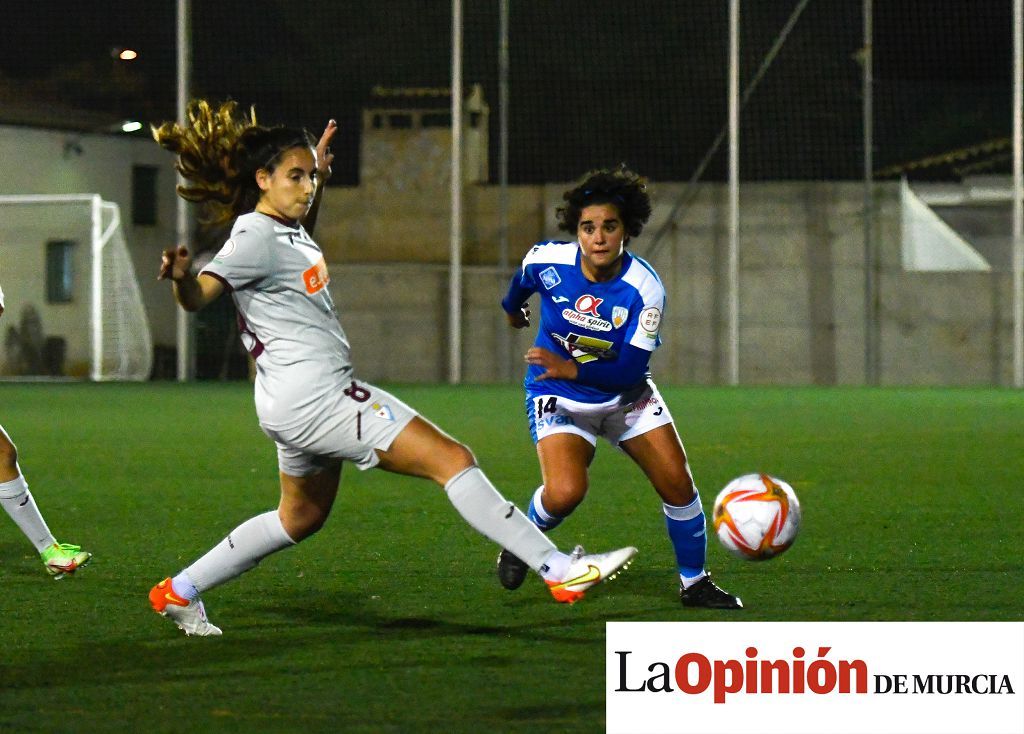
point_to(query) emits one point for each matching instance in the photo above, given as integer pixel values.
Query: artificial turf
(391, 618)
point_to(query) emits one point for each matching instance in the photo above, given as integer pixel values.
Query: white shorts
(351, 426)
(613, 421)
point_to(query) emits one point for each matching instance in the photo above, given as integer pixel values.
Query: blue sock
(539, 516)
(687, 530)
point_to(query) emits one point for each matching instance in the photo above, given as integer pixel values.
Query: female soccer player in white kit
(307, 399)
(600, 321)
(59, 559)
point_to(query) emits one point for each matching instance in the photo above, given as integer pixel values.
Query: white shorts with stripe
(351, 425)
(614, 421)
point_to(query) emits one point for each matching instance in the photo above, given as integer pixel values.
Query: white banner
(815, 677)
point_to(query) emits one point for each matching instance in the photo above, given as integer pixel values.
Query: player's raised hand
(175, 263)
(324, 156)
(521, 318)
(555, 368)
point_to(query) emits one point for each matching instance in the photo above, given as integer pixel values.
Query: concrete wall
(801, 289)
(801, 281)
(55, 162)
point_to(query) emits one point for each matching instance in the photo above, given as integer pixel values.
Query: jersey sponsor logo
(642, 404)
(559, 299)
(585, 315)
(584, 321)
(585, 348)
(587, 304)
(316, 278)
(619, 315)
(549, 277)
(555, 420)
(650, 320)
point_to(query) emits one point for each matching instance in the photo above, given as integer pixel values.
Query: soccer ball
(756, 517)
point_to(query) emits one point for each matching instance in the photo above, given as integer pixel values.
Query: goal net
(73, 307)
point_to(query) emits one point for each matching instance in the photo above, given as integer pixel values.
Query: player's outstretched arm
(324, 159)
(191, 292)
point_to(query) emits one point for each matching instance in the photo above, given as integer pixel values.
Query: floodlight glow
(130, 126)
(127, 54)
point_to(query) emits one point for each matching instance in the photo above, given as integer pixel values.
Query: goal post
(74, 307)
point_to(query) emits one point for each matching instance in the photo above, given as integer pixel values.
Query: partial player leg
(660, 454)
(423, 450)
(305, 504)
(564, 459)
(59, 559)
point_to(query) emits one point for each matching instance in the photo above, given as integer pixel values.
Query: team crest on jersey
(549, 277)
(382, 411)
(619, 315)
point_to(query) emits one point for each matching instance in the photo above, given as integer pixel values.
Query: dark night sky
(592, 83)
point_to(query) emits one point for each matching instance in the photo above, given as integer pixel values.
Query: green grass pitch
(391, 618)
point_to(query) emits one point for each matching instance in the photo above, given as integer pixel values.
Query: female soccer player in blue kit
(600, 320)
(308, 400)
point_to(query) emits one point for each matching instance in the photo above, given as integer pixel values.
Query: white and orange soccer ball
(756, 516)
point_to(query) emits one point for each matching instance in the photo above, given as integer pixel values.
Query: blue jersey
(609, 328)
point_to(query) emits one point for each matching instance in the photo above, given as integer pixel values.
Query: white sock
(19, 504)
(493, 516)
(556, 568)
(689, 581)
(245, 546)
(182, 586)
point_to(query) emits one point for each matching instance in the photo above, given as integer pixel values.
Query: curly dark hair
(219, 152)
(621, 187)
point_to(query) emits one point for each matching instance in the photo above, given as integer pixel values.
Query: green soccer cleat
(60, 559)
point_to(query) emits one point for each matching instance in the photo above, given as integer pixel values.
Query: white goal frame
(100, 238)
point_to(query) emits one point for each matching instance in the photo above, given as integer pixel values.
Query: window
(400, 121)
(60, 272)
(436, 119)
(144, 195)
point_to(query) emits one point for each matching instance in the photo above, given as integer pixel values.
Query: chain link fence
(601, 83)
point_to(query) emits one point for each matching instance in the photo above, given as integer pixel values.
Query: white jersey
(278, 279)
(2, 298)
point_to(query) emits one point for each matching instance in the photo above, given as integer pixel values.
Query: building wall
(801, 282)
(801, 290)
(56, 162)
